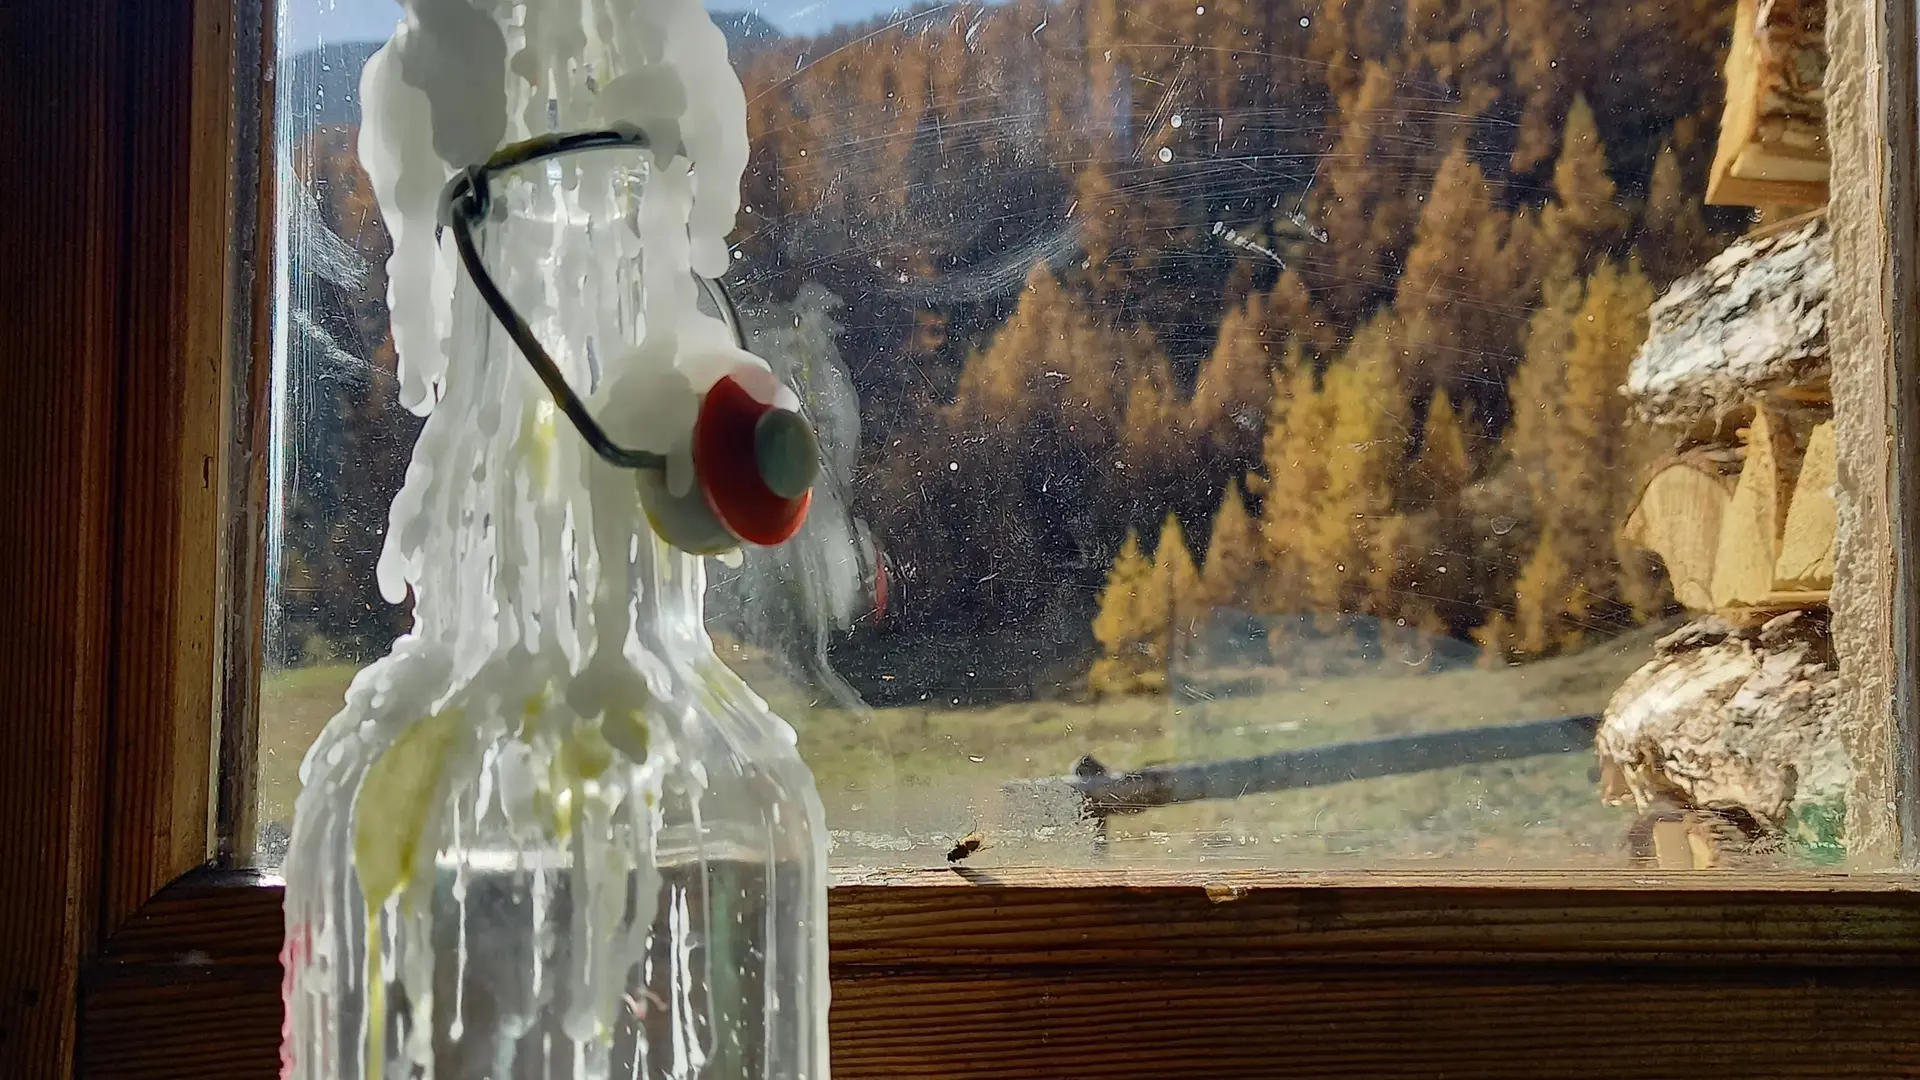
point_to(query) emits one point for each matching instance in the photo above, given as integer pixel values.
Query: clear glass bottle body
(676, 931)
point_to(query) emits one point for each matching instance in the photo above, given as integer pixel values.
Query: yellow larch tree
(1572, 440)
(1673, 235)
(1128, 635)
(1329, 460)
(1583, 218)
(1233, 575)
(1148, 612)
(1185, 601)
(1368, 221)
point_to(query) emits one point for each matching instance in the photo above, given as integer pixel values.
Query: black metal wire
(467, 200)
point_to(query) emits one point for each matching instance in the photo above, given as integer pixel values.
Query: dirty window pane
(1285, 434)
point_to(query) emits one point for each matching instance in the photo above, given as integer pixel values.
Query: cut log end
(1807, 540)
(1676, 838)
(1755, 520)
(1678, 517)
(1756, 540)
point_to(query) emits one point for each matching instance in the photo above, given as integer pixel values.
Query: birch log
(1753, 321)
(1729, 718)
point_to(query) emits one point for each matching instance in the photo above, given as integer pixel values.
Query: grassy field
(901, 783)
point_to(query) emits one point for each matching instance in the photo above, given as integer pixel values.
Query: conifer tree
(1343, 539)
(1462, 283)
(1361, 202)
(1237, 378)
(1546, 600)
(1117, 627)
(1294, 474)
(1185, 602)
(1233, 575)
(1289, 313)
(1053, 359)
(1438, 582)
(1444, 465)
(1329, 461)
(997, 384)
(1538, 74)
(1148, 439)
(1673, 233)
(1583, 219)
(1572, 441)
(1135, 624)
(1458, 43)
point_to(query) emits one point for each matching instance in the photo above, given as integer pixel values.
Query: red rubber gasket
(728, 473)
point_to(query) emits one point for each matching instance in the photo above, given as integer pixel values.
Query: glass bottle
(551, 834)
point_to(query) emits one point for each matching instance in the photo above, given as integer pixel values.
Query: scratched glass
(1262, 436)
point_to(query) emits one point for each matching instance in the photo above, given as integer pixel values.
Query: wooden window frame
(130, 459)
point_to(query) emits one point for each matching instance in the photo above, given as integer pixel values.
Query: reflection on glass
(1209, 388)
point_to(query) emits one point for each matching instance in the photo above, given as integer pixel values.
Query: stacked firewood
(1727, 740)
(1773, 129)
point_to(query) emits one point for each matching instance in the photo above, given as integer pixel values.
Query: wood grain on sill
(1488, 1022)
(184, 1022)
(1170, 975)
(1238, 920)
(1319, 1021)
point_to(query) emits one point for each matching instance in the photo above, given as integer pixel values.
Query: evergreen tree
(1571, 439)
(1461, 45)
(1443, 466)
(1186, 603)
(1343, 539)
(1052, 359)
(1132, 625)
(1583, 219)
(1438, 581)
(1265, 334)
(1233, 575)
(1462, 285)
(1231, 392)
(1547, 602)
(1673, 234)
(1363, 204)
(1294, 472)
(1329, 463)
(1149, 441)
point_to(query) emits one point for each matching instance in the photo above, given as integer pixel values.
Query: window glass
(1288, 434)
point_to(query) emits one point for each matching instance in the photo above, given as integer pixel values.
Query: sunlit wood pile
(1727, 740)
(1773, 132)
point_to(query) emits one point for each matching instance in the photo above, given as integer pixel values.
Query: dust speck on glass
(1256, 433)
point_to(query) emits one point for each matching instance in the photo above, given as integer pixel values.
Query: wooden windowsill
(1018, 972)
(1149, 917)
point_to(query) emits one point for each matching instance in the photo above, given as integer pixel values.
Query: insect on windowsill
(967, 845)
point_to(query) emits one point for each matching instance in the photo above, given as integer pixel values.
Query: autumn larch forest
(1163, 313)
